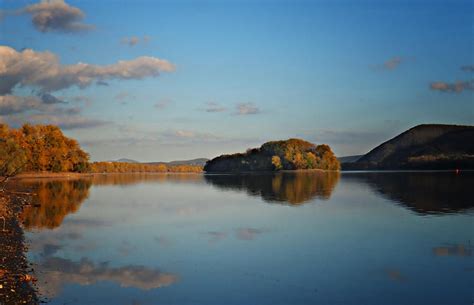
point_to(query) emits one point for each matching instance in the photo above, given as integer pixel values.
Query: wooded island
(291, 154)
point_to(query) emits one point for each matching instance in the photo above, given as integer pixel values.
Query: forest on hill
(291, 154)
(44, 148)
(423, 147)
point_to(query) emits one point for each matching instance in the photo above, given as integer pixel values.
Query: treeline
(292, 154)
(39, 148)
(125, 167)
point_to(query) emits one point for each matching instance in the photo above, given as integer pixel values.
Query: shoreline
(71, 175)
(15, 270)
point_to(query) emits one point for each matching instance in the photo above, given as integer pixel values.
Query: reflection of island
(453, 250)
(291, 187)
(422, 192)
(53, 200)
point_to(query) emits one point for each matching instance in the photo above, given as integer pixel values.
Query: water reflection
(53, 200)
(425, 193)
(294, 188)
(136, 178)
(57, 271)
(453, 250)
(422, 192)
(298, 255)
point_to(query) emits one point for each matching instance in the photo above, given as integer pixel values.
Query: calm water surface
(293, 238)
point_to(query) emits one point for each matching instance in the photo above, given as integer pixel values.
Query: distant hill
(125, 160)
(429, 146)
(197, 162)
(349, 159)
(291, 154)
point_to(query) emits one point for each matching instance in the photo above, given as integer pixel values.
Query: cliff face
(290, 154)
(423, 147)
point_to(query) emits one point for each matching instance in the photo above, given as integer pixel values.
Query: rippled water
(287, 238)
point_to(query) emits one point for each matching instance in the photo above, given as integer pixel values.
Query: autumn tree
(40, 148)
(13, 156)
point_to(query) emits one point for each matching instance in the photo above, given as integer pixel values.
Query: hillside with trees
(291, 154)
(427, 147)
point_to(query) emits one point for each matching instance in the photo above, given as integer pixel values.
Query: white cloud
(44, 71)
(56, 16)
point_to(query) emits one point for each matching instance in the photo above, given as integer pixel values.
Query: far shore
(71, 175)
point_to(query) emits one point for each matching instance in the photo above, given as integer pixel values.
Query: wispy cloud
(182, 134)
(66, 121)
(162, 104)
(50, 99)
(122, 97)
(246, 109)
(56, 16)
(46, 109)
(391, 63)
(213, 107)
(456, 87)
(468, 68)
(87, 101)
(11, 104)
(102, 83)
(134, 40)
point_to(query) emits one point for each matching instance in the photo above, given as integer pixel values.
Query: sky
(168, 80)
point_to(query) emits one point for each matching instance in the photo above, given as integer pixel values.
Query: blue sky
(347, 73)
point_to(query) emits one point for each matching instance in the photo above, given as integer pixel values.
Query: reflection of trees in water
(423, 192)
(135, 178)
(291, 187)
(52, 201)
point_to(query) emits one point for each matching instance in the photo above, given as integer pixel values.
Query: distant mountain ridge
(349, 159)
(196, 162)
(427, 146)
(125, 160)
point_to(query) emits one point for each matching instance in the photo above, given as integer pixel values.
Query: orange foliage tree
(40, 148)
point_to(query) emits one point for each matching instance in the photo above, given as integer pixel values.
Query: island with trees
(291, 154)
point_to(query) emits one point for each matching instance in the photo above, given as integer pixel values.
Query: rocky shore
(16, 280)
